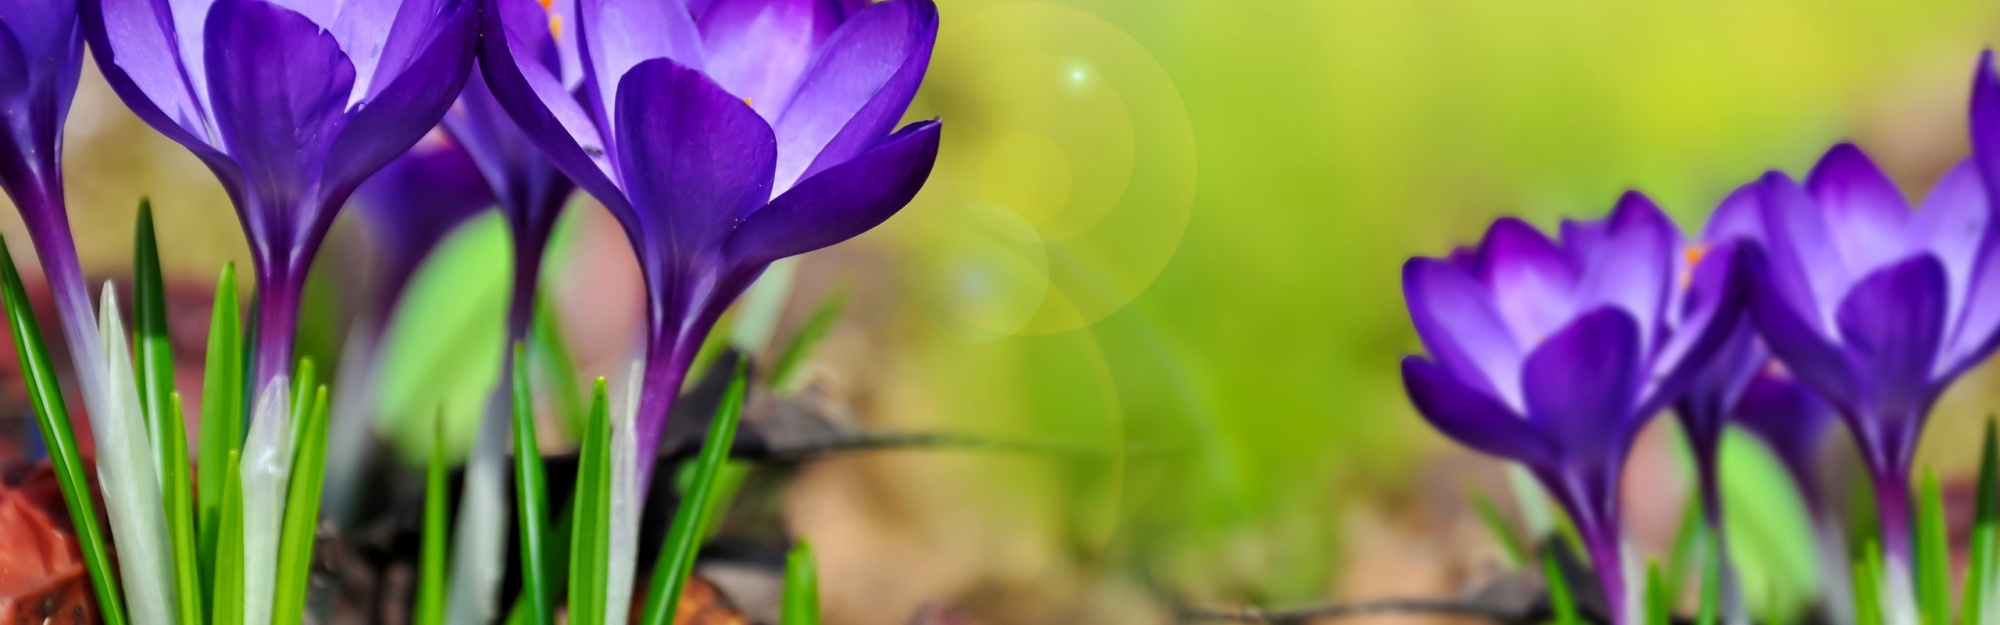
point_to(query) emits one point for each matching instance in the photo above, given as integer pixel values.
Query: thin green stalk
(1985, 553)
(180, 516)
(590, 548)
(784, 372)
(295, 540)
(53, 418)
(1500, 528)
(1659, 606)
(677, 554)
(1560, 598)
(1933, 556)
(431, 568)
(221, 416)
(531, 494)
(800, 603)
(228, 604)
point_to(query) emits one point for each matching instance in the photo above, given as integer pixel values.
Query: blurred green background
(1170, 234)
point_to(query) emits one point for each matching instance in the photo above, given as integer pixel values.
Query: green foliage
(438, 348)
(590, 544)
(1985, 553)
(1933, 556)
(1771, 541)
(296, 538)
(1659, 603)
(178, 491)
(1709, 611)
(531, 497)
(800, 605)
(221, 416)
(785, 371)
(1497, 525)
(53, 419)
(1869, 578)
(430, 608)
(1561, 600)
(228, 604)
(677, 554)
(551, 350)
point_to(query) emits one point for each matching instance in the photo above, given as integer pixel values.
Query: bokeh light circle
(1066, 177)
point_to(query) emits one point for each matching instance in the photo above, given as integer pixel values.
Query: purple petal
(1472, 417)
(1714, 389)
(538, 103)
(414, 201)
(134, 42)
(757, 48)
(1582, 385)
(619, 34)
(1794, 336)
(1532, 281)
(1892, 326)
(279, 89)
(384, 38)
(1863, 209)
(1955, 226)
(528, 185)
(698, 159)
(856, 89)
(41, 55)
(842, 202)
(1455, 317)
(1633, 269)
(1792, 419)
(1985, 118)
(1739, 216)
(407, 107)
(1806, 267)
(1708, 314)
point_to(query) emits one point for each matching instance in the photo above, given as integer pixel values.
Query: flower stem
(278, 292)
(48, 229)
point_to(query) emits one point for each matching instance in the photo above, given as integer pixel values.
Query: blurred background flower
(1169, 234)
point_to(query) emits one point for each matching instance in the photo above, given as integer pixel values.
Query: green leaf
(151, 345)
(228, 603)
(800, 605)
(1868, 579)
(590, 545)
(677, 554)
(785, 371)
(1659, 604)
(1499, 527)
(728, 481)
(1985, 554)
(53, 419)
(531, 498)
(438, 347)
(179, 493)
(1560, 598)
(1776, 558)
(552, 351)
(295, 540)
(1934, 574)
(1709, 612)
(431, 567)
(221, 415)
(303, 382)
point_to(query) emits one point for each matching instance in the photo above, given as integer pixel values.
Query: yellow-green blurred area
(1169, 235)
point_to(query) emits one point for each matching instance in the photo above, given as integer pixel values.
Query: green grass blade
(295, 540)
(728, 481)
(1499, 528)
(531, 498)
(151, 345)
(677, 554)
(1868, 579)
(431, 567)
(800, 602)
(53, 419)
(552, 351)
(1561, 601)
(227, 607)
(221, 416)
(1933, 557)
(1709, 612)
(590, 544)
(1659, 605)
(302, 399)
(1985, 553)
(179, 493)
(785, 371)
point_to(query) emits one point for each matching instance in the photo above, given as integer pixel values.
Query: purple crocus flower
(412, 204)
(41, 56)
(1792, 420)
(1876, 307)
(292, 106)
(1554, 354)
(725, 139)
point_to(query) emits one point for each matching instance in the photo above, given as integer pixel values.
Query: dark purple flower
(292, 106)
(1711, 395)
(412, 203)
(41, 56)
(530, 189)
(1554, 355)
(1879, 308)
(725, 139)
(1792, 420)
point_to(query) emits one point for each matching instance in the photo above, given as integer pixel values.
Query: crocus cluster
(1800, 301)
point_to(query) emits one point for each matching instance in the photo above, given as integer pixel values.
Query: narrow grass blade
(152, 349)
(1709, 612)
(295, 540)
(1499, 528)
(677, 554)
(130, 478)
(60, 441)
(560, 369)
(221, 416)
(1659, 605)
(1985, 553)
(800, 603)
(431, 565)
(180, 516)
(229, 599)
(1933, 558)
(1868, 578)
(531, 497)
(302, 397)
(590, 544)
(785, 371)
(728, 481)
(1561, 600)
